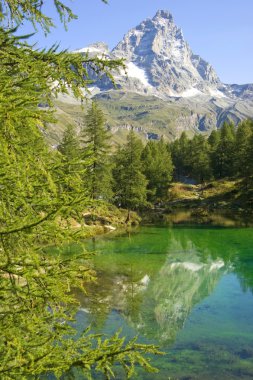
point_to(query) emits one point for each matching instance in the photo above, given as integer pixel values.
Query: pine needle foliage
(130, 184)
(96, 148)
(37, 308)
(158, 168)
(16, 11)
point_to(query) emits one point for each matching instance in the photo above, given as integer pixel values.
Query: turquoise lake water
(186, 289)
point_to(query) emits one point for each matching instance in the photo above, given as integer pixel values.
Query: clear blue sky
(220, 31)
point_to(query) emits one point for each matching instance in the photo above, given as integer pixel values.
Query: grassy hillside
(224, 194)
(148, 115)
(225, 203)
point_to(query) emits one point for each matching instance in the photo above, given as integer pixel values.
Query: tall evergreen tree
(213, 141)
(158, 168)
(225, 152)
(249, 152)
(69, 145)
(95, 137)
(180, 155)
(130, 184)
(242, 147)
(71, 166)
(199, 159)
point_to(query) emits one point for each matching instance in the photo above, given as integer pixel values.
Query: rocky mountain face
(157, 49)
(160, 64)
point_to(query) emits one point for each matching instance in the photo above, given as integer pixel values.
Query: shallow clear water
(189, 290)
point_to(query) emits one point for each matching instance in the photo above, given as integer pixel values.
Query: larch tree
(37, 308)
(130, 184)
(70, 145)
(72, 166)
(199, 159)
(213, 141)
(95, 138)
(225, 152)
(243, 141)
(180, 155)
(158, 169)
(249, 154)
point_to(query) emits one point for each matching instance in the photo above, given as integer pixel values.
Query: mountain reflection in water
(154, 290)
(187, 289)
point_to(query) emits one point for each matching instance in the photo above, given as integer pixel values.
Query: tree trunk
(128, 216)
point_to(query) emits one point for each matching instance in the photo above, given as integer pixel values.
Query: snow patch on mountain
(96, 49)
(135, 72)
(216, 93)
(89, 49)
(190, 92)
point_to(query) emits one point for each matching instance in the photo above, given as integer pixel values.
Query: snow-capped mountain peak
(160, 62)
(157, 47)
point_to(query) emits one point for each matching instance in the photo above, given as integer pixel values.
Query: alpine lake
(186, 288)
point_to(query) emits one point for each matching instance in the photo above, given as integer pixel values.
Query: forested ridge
(227, 152)
(137, 176)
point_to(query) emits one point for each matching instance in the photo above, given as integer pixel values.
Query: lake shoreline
(196, 216)
(222, 203)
